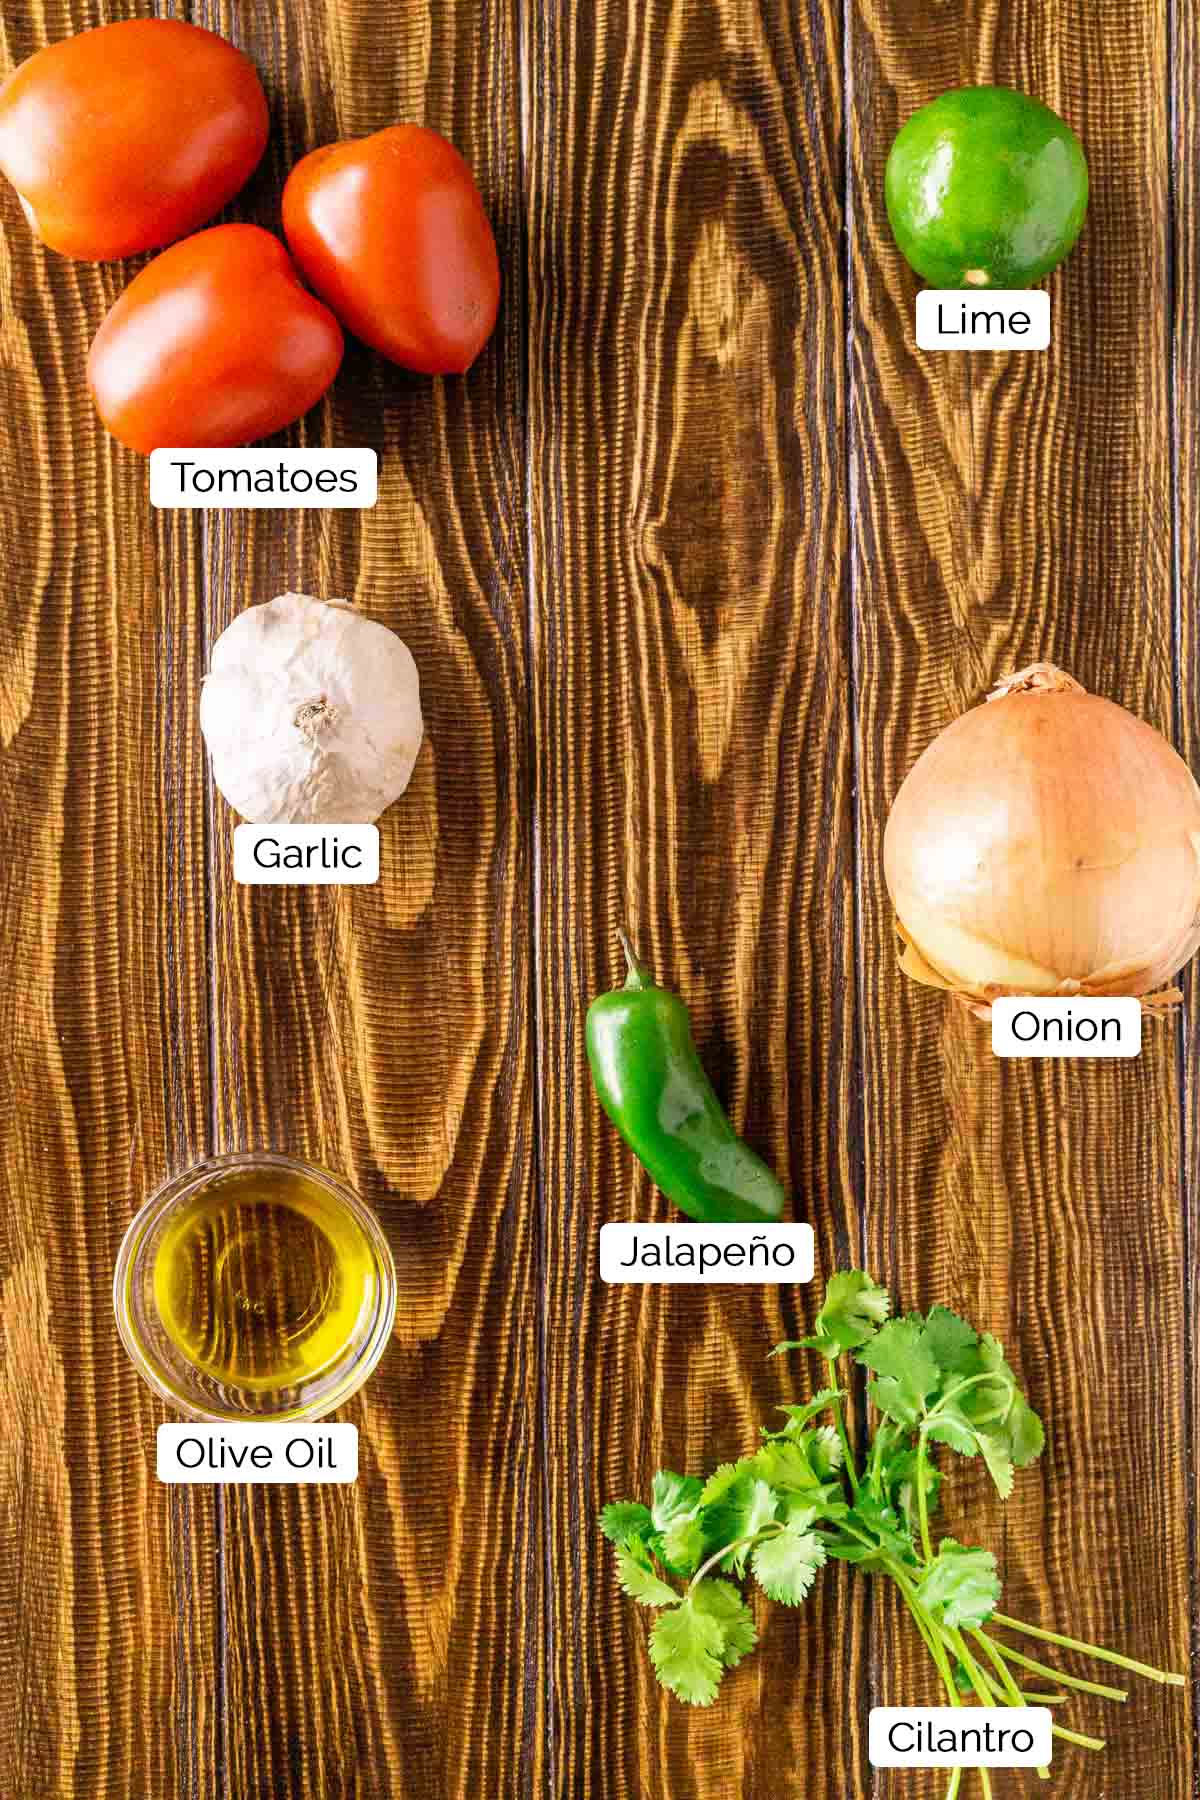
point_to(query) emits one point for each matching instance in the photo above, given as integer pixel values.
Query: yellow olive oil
(261, 1278)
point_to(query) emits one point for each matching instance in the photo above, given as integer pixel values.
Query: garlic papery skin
(311, 714)
(1046, 843)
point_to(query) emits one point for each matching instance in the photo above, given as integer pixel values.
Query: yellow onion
(1047, 842)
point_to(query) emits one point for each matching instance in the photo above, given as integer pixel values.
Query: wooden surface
(693, 564)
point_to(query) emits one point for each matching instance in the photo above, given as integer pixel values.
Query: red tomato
(391, 231)
(125, 137)
(216, 342)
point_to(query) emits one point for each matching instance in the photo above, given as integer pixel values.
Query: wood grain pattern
(384, 1031)
(693, 564)
(109, 1617)
(1184, 372)
(1013, 509)
(692, 714)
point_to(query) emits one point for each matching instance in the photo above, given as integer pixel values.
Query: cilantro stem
(985, 1687)
(719, 1556)
(840, 1421)
(961, 1387)
(968, 1662)
(1016, 1698)
(1059, 1675)
(974, 1673)
(877, 1453)
(1093, 1650)
(955, 1784)
(935, 1645)
(929, 1628)
(1023, 1698)
(930, 1419)
(1010, 1691)
(861, 1537)
(1077, 1737)
(923, 1498)
(924, 1624)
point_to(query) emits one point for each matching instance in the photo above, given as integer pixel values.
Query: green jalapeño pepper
(653, 1088)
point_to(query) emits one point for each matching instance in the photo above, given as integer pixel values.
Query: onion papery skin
(1047, 842)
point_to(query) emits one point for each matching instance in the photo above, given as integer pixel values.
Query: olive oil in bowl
(255, 1287)
(262, 1278)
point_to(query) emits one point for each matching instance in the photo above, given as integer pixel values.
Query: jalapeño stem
(639, 975)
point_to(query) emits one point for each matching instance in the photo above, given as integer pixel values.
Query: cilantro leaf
(746, 1508)
(907, 1371)
(853, 1310)
(642, 1584)
(726, 1476)
(722, 1602)
(901, 1473)
(624, 1519)
(683, 1543)
(951, 1342)
(960, 1586)
(783, 1463)
(785, 1565)
(999, 1463)
(1025, 1432)
(758, 1511)
(687, 1648)
(826, 1501)
(991, 1418)
(798, 1416)
(1020, 1429)
(882, 1523)
(953, 1428)
(672, 1495)
(825, 1453)
(641, 1549)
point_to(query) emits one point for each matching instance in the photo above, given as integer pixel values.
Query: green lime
(986, 188)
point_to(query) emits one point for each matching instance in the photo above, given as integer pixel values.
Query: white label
(1083, 1026)
(264, 477)
(272, 855)
(246, 1453)
(959, 1737)
(988, 319)
(706, 1253)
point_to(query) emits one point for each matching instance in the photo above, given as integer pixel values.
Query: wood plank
(691, 770)
(1184, 68)
(693, 760)
(107, 1600)
(390, 1638)
(1011, 509)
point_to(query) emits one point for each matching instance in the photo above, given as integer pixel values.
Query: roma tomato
(128, 136)
(215, 343)
(391, 231)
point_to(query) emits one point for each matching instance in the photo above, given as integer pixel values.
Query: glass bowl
(324, 1301)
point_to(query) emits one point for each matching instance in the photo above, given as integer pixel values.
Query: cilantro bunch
(801, 1498)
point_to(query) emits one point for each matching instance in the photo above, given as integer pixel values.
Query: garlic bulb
(311, 714)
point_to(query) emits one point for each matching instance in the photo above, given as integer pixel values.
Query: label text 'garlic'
(328, 855)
